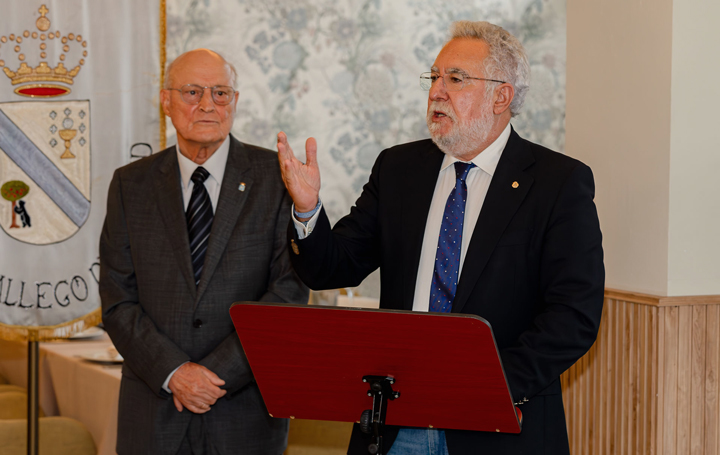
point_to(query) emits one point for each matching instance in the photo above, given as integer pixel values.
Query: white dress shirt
(478, 182)
(215, 165)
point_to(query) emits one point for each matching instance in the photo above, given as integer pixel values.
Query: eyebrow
(435, 69)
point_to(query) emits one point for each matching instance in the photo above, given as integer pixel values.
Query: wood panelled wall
(651, 382)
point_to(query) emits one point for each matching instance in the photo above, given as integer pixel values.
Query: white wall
(694, 230)
(618, 122)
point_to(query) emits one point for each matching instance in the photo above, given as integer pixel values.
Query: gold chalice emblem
(67, 134)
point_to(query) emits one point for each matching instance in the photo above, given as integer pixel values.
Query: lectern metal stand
(372, 421)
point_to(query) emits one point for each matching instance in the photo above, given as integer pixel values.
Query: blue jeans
(419, 441)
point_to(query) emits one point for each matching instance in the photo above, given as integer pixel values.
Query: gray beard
(464, 137)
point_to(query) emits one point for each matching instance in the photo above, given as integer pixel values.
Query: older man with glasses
(189, 231)
(476, 220)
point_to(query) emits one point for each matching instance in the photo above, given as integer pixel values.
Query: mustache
(444, 108)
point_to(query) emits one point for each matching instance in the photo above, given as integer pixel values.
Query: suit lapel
(230, 204)
(170, 205)
(501, 202)
(419, 185)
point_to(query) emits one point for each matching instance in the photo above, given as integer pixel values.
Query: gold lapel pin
(242, 186)
(515, 184)
(294, 246)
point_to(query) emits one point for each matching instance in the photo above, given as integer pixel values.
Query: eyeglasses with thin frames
(192, 94)
(454, 81)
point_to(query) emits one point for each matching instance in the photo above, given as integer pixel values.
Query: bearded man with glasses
(475, 220)
(189, 231)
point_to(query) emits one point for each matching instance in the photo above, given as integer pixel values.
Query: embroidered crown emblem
(41, 77)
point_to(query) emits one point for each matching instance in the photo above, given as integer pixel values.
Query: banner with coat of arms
(79, 88)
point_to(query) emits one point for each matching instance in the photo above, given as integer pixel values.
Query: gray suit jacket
(157, 317)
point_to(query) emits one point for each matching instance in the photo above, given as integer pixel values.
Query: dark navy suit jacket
(533, 269)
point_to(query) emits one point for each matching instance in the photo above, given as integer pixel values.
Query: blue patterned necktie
(447, 256)
(199, 217)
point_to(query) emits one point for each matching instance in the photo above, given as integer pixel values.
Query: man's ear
(234, 103)
(165, 101)
(503, 97)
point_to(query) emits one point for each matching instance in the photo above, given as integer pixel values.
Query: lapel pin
(515, 184)
(242, 186)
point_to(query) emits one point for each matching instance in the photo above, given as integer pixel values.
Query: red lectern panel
(309, 361)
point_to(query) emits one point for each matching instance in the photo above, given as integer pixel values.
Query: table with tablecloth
(71, 386)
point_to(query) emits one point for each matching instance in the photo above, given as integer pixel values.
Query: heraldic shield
(44, 169)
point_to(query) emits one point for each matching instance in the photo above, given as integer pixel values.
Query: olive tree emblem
(13, 191)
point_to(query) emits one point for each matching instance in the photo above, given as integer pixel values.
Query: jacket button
(197, 323)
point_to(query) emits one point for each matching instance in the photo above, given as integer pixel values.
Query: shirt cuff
(167, 381)
(305, 228)
(310, 213)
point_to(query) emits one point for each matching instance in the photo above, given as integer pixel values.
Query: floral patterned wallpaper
(346, 72)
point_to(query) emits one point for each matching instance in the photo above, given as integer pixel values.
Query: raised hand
(195, 387)
(301, 180)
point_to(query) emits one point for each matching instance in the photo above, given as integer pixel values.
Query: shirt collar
(487, 160)
(215, 165)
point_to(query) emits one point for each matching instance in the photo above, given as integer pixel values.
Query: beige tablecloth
(70, 386)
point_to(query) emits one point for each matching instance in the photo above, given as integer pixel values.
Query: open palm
(302, 180)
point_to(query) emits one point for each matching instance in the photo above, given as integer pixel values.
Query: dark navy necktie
(199, 217)
(447, 256)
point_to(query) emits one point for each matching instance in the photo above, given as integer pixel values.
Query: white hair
(506, 60)
(171, 66)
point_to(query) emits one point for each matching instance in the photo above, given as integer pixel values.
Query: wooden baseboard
(660, 301)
